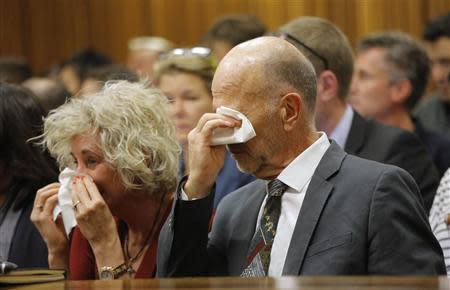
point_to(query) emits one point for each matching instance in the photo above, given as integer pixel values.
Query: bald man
(314, 210)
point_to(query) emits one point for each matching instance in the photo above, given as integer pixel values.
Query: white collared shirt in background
(340, 133)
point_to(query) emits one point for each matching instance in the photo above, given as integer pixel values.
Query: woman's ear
(327, 86)
(291, 110)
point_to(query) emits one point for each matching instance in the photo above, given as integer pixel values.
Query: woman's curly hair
(135, 133)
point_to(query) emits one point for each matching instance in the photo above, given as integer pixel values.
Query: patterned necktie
(258, 257)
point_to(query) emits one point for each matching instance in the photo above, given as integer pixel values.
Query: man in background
(391, 73)
(143, 52)
(435, 111)
(329, 51)
(230, 30)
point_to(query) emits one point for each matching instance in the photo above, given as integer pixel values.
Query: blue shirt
(228, 180)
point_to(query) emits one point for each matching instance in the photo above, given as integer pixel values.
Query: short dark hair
(28, 166)
(234, 29)
(14, 70)
(85, 60)
(407, 58)
(437, 27)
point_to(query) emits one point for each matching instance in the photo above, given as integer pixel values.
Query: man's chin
(243, 168)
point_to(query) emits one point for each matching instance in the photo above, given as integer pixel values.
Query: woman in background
(185, 77)
(24, 168)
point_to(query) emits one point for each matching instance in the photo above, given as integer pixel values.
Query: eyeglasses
(291, 38)
(194, 51)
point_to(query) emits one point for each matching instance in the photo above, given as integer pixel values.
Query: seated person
(391, 73)
(315, 210)
(230, 30)
(185, 76)
(122, 145)
(440, 217)
(24, 168)
(329, 50)
(73, 70)
(95, 78)
(144, 52)
(434, 112)
(14, 70)
(50, 93)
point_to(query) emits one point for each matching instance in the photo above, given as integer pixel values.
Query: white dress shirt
(340, 133)
(297, 176)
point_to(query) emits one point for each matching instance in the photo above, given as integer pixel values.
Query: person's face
(260, 155)
(90, 86)
(371, 89)
(90, 161)
(142, 61)
(439, 53)
(189, 100)
(70, 80)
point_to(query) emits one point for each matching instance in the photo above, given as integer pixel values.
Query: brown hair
(327, 40)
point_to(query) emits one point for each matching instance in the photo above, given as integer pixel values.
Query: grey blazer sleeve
(399, 235)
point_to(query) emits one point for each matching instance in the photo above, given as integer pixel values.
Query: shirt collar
(298, 173)
(340, 133)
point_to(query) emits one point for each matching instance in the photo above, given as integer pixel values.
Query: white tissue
(223, 136)
(64, 205)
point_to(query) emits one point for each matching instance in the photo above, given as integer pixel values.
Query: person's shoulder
(428, 105)
(245, 192)
(367, 165)
(389, 131)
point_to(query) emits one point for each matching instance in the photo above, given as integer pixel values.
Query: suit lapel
(318, 192)
(356, 135)
(246, 228)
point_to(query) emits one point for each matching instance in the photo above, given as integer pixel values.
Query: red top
(82, 263)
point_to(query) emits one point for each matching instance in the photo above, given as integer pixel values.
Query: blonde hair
(199, 65)
(135, 132)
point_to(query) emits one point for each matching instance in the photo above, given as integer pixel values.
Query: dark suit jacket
(229, 178)
(358, 217)
(28, 250)
(386, 144)
(438, 145)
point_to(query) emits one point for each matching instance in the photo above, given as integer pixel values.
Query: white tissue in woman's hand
(223, 136)
(64, 206)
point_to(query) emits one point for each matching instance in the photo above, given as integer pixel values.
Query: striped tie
(258, 257)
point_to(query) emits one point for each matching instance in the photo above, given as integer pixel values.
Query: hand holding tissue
(223, 136)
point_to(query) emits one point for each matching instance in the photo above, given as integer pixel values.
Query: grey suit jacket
(359, 217)
(372, 140)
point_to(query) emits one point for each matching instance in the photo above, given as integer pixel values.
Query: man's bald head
(270, 67)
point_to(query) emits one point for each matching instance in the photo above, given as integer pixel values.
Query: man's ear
(327, 86)
(401, 91)
(291, 110)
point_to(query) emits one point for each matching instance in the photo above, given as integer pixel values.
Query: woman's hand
(52, 232)
(96, 222)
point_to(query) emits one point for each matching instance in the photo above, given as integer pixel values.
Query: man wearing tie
(315, 210)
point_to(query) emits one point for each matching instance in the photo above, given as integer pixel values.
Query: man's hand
(205, 161)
